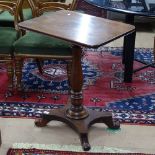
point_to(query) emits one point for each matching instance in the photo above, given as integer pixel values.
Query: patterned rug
(104, 89)
(49, 152)
(53, 149)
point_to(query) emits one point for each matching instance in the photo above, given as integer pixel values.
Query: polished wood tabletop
(78, 28)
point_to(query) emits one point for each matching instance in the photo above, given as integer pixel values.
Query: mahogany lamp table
(83, 30)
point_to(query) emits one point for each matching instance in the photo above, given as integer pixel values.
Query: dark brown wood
(87, 8)
(75, 114)
(76, 110)
(81, 29)
(81, 126)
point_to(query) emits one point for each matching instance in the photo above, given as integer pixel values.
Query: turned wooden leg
(76, 110)
(10, 71)
(39, 65)
(18, 72)
(69, 67)
(74, 113)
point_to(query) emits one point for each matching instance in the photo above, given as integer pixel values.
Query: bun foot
(40, 122)
(115, 125)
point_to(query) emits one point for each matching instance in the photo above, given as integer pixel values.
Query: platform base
(81, 125)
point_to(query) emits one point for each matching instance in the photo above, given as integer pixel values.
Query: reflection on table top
(78, 28)
(138, 7)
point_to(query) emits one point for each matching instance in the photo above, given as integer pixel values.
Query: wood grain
(77, 28)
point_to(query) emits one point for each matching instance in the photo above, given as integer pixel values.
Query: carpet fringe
(74, 148)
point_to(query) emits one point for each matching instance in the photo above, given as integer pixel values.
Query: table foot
(112, 124)
(84, 142)
(40, 122)
(81, 126)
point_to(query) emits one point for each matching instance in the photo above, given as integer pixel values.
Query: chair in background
(87, 8)
(39, 46)
(7, 19)
(8, 35)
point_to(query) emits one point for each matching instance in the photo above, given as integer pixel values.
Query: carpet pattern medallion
(104, 89)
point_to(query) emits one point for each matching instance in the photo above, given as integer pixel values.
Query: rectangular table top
(78, 28)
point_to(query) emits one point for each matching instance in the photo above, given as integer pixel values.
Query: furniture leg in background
(87, 8)
(128, 55)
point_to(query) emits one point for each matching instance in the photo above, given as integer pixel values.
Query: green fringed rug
(51, 149)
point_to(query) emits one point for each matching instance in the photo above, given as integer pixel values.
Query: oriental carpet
(53, 149)
(104, 89)
(50, 152)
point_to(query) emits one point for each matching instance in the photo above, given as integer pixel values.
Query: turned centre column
(76, 110)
